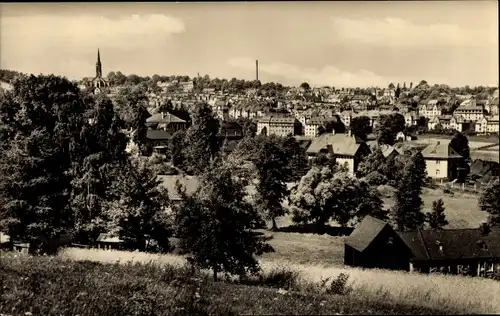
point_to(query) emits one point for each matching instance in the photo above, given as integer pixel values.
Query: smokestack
(257, 69)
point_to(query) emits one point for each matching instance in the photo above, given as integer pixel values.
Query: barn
(375, 244)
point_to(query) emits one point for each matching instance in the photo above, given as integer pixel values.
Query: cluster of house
(480, 116)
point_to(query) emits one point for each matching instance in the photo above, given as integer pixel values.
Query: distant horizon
(312, 86)
(345, 44)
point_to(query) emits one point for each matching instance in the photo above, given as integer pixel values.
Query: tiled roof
(365, 233)
(390, 150)
(455, 243)
(439, 150)
(278, 119)
(161, 118)
(341, 144)
(158, 134)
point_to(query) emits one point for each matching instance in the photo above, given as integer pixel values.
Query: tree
(407, 211)
(360, 126)
(166, 107)
(130, 102)
(137, 214)
(388, 126)
(437, 218)
(203, 144)
(324, 194)
(271, 165)
(101, 159)
(40, 119)
(297, 163)
(305, 86)
(489, 201)
(460, 143)
(374, 162)
(215, 224)
(176, 147)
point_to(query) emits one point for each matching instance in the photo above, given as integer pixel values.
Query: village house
(347, 149)
(375, 244)
(189, 183)
(187, 86)
(432, 109)
(391, 151)
(442, 161)
(166, 121)
(312, 126)
(230, 130)
(362, 103)
(487, 125)
(157, 140)
(278, 125)
(410, 119)
(470, 110)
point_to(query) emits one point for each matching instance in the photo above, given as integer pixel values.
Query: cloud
(85, 30)
(397, 32)
(328, 75)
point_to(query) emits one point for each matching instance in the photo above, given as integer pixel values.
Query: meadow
(366, 291)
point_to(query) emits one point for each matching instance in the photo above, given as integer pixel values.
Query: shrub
(339, 285)
(376, 178)
(281, 278)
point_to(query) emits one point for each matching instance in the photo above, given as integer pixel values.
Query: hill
(33, 286)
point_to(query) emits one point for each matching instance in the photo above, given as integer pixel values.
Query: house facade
(278, 125)
(442, 161)
(430, 110)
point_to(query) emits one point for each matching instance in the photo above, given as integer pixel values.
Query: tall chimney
(257, 69)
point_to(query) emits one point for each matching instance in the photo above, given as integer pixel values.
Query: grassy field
(447, 294)
(461, 208)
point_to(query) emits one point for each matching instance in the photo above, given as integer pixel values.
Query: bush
(281, 278)
(339, 285)
(376, 178)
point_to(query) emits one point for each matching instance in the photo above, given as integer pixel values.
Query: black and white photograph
(249, 158)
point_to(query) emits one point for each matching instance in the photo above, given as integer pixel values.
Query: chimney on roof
(257, 70)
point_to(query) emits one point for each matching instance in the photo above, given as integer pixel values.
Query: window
(438, 162)
(437, 172)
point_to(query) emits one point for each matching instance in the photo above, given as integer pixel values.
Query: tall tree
(137, 212)
(489, 201)
(128, 101)
(102, 158)
(40, 119)
(388, 126)
(436, 218)
(271, 165)
(374, 162)
(297, 163)
(460, 143)
(215, 224)
(407, 211)
(360, 126)
(201, 137)
(305, 86)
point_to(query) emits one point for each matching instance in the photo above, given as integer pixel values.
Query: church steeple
(98, 66)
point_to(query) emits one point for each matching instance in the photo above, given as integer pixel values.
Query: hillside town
(141, 175)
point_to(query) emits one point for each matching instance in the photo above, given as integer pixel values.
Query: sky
(342, 44)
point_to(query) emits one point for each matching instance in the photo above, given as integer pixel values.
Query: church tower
(98, 66)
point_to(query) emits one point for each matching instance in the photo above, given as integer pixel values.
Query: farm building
(375, 244)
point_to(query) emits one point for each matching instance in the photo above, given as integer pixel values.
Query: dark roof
(229, 125)
(158, 134)
(341, 144)
(455, 243)
(365, 233)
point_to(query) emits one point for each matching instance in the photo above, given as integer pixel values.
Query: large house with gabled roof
(442, 161)
(347, 150)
